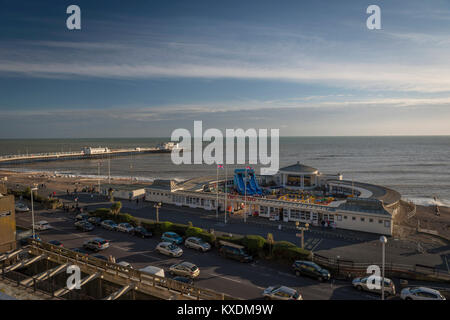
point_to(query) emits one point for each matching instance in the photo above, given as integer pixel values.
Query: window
(339, 217)
(345, 217)
(387, 223)
(380, 221)
(353, 218)
(370, 220)
(363, 219)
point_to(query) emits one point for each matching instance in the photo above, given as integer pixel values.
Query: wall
(7, 224)
(373, 227)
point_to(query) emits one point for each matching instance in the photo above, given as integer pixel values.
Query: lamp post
(383, 241)
(302, 229)
(157, 206)
(32, 209)
(245, 196)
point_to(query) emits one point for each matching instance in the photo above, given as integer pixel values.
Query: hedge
(47, 203)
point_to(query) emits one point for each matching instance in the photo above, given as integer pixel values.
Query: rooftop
(298, 167)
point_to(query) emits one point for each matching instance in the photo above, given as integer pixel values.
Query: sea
(416, 166)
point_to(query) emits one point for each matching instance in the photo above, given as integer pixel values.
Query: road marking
(219, 276)
(316, 245)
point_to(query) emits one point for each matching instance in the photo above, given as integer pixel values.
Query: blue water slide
(257, 189)
(239, 183)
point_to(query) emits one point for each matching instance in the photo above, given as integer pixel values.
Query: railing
(125, 274)
(348, 268)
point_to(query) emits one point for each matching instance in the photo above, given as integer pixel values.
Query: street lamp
(32, 208)
(302, 229)
(157, 206)
(383, 241)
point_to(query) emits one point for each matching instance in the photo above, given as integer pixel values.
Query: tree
(115, 208)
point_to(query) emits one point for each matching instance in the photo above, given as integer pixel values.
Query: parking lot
(245, 281)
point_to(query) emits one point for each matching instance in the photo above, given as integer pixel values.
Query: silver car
(169, 249)
(197, 243)
(186, 269)
(374, 285)
(125, 227)
(281, 293)
(421, 293)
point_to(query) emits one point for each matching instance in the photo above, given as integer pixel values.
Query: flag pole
(226, 196)
(217, 191)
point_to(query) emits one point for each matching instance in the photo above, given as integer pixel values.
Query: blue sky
(145, 68)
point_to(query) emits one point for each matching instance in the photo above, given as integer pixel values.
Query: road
(245, 281)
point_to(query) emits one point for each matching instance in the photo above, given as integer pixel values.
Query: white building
(99, 150)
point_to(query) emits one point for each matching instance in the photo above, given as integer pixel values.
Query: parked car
(96, 221)
(81, 216)
(99, 256)
(156, 271)
(125, 227)
(84, 225)
(186, 269)
(363, 284)
(171, 237)
(96, 244)
(234, 251)
(185, 280)
(142, 232)
(421, 293)
(197, 243)
(169, 249)
(81, 251)
(56, 243)
(310, 269)
(281, 293)
(125, 264)
(21, 207)
(42, 225)
(109, 224)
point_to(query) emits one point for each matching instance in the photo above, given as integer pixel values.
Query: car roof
(98, 239)
(425, 289)
(194, 238)
(188, 264)
(164, 243)
(287, 290)
(43, 221)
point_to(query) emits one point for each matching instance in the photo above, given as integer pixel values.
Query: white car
(21, 207)
(169, 249)
(42, 225)
(185, 269)
(421, 293)
(197, 243)
(125, 264)
(125, 227)
(281, 293)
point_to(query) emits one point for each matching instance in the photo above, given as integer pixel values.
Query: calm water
(418, 167)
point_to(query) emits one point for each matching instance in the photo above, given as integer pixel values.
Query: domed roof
(300, 168)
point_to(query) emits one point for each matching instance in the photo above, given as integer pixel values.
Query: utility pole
(245, 196)
(109, 169)
(98, 176)
(383, 241)
(217, 191)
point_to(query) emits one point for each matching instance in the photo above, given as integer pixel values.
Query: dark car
(81, 251)
(185, 280)
(84, 225)
(96, 221)
(81, 217)
(142, 232)
(234, 251)
(96, 244)
(99, 256)
(310, 269)
(56, 243)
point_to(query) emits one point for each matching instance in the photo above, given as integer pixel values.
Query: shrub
(193, 232)
(285, 250)
(179, 228)
(208, 237)
(254, 244)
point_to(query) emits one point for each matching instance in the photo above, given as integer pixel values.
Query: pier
(78, 155)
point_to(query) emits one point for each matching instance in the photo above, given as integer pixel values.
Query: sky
(146, 68)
